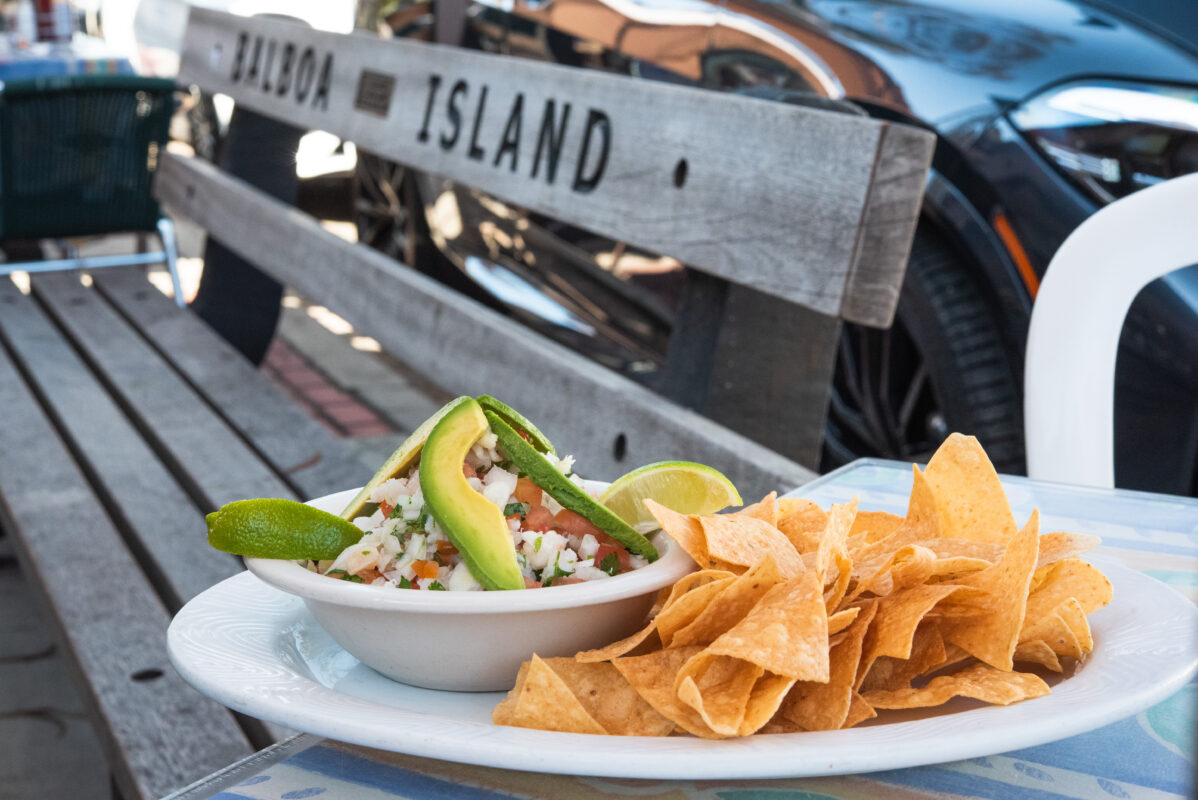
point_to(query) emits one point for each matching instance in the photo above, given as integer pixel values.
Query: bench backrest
(812, 206)
(808, 206)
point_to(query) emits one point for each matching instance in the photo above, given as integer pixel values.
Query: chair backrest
(78, 152)
(812, 206)
(1069, 378)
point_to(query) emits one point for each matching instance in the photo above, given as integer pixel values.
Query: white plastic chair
(1069, 377)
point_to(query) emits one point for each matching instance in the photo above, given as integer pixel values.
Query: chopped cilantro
(336, 573)
(404, 583)
(436, 586)
(516, 508)
(365, 552)
(558, 572)
(354, 579)
(504, 465)
(420, 523)
(395, 513)
(610, 564)
(536, 546)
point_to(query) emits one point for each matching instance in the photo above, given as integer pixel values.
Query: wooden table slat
(158, 733)
(206, 456)
(308, 455)
(162, 521)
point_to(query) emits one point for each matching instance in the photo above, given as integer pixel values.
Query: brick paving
(338, 410)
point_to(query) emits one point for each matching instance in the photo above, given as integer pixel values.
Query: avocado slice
(518, 421)
(564, 491)
(397, 463)
(473, 523)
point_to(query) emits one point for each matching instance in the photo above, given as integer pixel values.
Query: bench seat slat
(207, 457)
(158, 733)
(306, 453)
(164, 522)
(462, 346)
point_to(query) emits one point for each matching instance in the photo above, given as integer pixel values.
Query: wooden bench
(126, 419)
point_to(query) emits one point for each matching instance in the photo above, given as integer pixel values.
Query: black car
(1044, 112)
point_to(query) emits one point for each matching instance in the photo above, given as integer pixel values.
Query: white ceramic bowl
(471, 641)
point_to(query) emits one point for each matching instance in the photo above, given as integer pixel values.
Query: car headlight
(1114, 137)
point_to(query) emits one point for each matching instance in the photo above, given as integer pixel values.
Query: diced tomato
(425, 569)
(538, 518)
(565, 581)
(567, 521)
(368, 575)
(469, 471)
(622, 554)
(528, 492)
(386, 508)
(531, 583)
(445, 548)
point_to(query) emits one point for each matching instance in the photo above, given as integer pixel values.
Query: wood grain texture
(158, 733)
(888, 224)
(164, 527)
(307, 455)
(462, 346)
(774, 196)
(212, 462)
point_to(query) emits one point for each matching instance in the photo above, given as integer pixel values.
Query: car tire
(941, 367)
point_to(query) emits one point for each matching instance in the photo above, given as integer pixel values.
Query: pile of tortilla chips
(801, 619)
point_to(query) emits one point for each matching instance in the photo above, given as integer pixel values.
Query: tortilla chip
(833, 552)
(652, 677)
(920, 524)
(990, 623)
(802, 521)
(765, 509)
(645, 638)
(735, 600)
(874, 525)
(786, 633)
(683, 529)
(910, 565)
(928, 653)
(718, 688)
(609, 699)
(859, 711)
(1059, 545)
(746, 540)
(1070, 577)
(683, 611)
(1037, 652)
(981, 682)
(768, 694)
(970, 500)
(893, 630)
(815, 706)
(502, 714)
(1065, 630)
(545, 702)
(947, 570)
(842, 619)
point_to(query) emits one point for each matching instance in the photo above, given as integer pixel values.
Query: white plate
(258, 651)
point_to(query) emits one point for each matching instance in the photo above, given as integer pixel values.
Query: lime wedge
(683, 486)
(276, 528)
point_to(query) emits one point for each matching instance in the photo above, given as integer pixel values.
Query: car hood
(952, 59)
